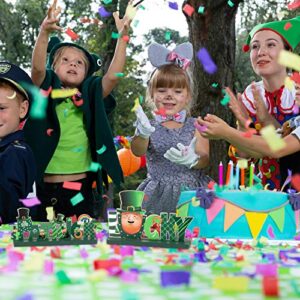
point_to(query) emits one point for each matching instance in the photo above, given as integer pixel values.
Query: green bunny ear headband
(55, 44)
(289, 30)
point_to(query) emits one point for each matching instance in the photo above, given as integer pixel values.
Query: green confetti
(77, 149)
(141, 99)
(230, 3)
(106, 1)
(94, 167)
(119, 74)
(135, 23)
(62, 277)
(201, 9)
(101, 150)
(142, 7)
(215, 85)
(168, 35)
(225, 100)
(115, 35)
(77, 199)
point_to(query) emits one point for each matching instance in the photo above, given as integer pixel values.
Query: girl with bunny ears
(175, 151)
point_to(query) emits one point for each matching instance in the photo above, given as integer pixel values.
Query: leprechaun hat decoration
(131, 200)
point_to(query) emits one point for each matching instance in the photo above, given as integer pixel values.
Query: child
(76, 131)
(17, 166)
(175, 151)
(265, 42)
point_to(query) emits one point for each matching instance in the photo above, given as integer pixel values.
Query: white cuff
(296, 132)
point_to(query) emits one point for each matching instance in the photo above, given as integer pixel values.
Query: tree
(214, 30)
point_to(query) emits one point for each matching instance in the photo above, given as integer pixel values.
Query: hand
(142, 124)
(262, 113)
(184, 155)
(213, 127)
(123, 25)
(49, 24)
(238, 108)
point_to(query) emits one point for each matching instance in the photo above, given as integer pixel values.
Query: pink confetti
(74, 36)
(200, 128)
(30, 202)
(270, 232)
(72, 185)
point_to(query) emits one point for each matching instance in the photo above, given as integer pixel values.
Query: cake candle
(221, 174)
(237, 176)
(228, 174)
(251, 174)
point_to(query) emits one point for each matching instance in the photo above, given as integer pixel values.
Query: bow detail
(159, 55)
(180, 61)
(178, 117)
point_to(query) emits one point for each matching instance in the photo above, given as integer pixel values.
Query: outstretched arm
(110, 79)
(255, 145)
(39, 56)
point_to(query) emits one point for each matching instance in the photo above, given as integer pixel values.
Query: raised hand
(239, 110)
(123, 24)
(142, 124)
(184, 155)
(49, 24)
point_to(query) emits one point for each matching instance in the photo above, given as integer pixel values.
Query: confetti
(201, 10)
(293, 5)
(136, 104)
(77, 199)
(287, 26)
(126, 38)
(167, 35)
(295, 77)
(49, 131)
(130, 12)
(63, 93)
(206, 61)
(115, 35)
(230, 3)
(289, 59)
(188, 9)
(30, 202)
(173, 5)
(71, 185)
(274, 141)
(74, 36)
(119, 74)
(94, 167)
(103, 13)
(101, 150)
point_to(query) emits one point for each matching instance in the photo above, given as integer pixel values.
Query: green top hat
(55, 44)
(131, 201)
(288, 30)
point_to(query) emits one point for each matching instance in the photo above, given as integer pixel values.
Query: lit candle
(237, 176)
(251, 174)
(220, 174)
(228, 174)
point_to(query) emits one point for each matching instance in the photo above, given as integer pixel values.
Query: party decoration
(128, 161)
(56, 232)
(129, 225)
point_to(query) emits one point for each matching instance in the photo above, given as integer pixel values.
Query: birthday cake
(248, 214)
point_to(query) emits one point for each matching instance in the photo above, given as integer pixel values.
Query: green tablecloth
(74, 276)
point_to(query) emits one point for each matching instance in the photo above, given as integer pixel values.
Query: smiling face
(169, 88)
(131, 222)
(71, 65)
(265, 48)
(13, 108)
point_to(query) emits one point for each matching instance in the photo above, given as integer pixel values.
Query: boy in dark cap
(17, 165)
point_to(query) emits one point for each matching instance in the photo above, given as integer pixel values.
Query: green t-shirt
(72, 154)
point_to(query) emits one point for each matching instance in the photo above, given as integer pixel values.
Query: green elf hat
(131, 200)
(289, 30)
(55, 44)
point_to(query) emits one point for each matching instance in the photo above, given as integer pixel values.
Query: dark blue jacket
(17, 174)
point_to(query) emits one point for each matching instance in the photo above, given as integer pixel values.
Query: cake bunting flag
(232, 213)
(215, 208)
(278, 217)
(255, 222)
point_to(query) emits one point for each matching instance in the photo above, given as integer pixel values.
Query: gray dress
(164, 178)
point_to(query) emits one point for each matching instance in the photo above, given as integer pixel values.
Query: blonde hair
(168, 76)
(59, 53)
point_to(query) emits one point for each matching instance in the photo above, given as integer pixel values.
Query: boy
(17, 164)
